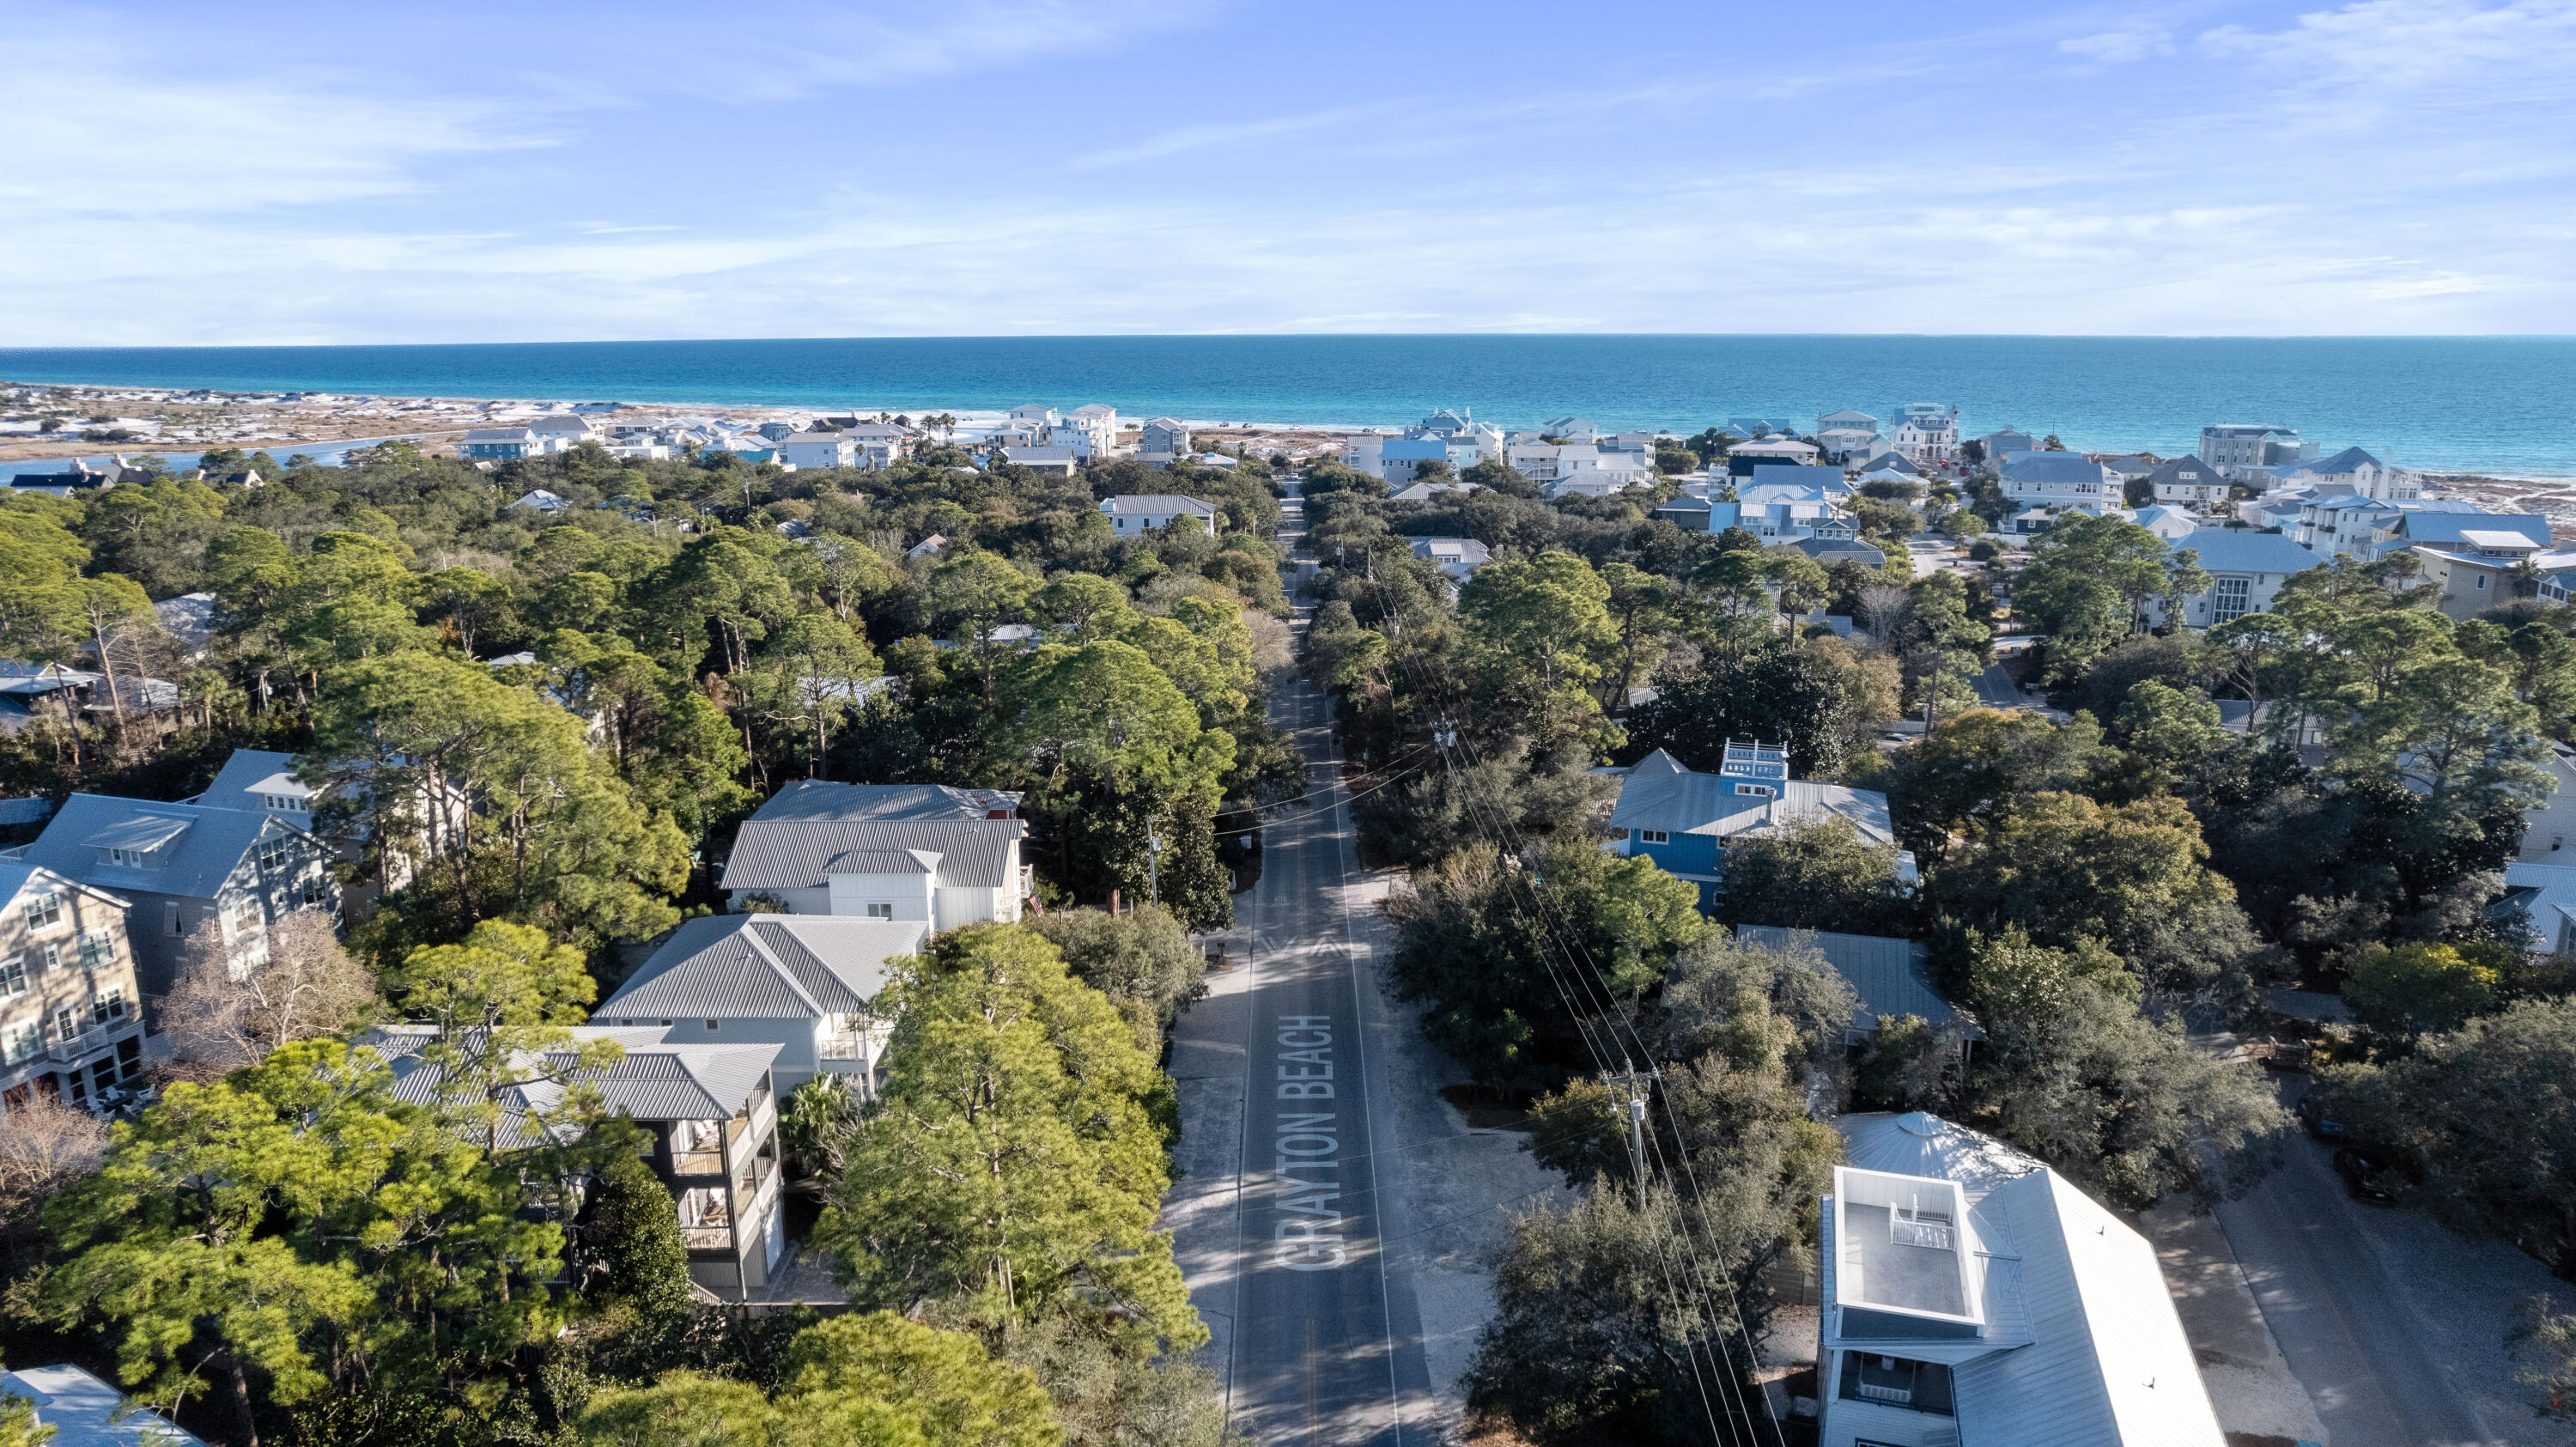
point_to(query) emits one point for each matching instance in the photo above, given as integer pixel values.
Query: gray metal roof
(1887, 974)
(822, 799)
(1659, 793)
(650, 1081)
(766, 967)
(250, 771)
(1156, 503)
(2049, 467)
(204, 845)
(812, 829)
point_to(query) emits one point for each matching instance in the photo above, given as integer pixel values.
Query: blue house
(1682, 819)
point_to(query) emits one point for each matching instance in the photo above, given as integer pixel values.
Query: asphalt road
(1318, 1342)
(2349, 1335)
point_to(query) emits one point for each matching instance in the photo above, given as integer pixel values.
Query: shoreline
(365, 417)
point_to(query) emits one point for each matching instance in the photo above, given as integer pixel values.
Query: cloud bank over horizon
(282, 173)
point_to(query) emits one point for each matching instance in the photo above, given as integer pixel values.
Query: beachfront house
(2246, 571)
(1970, 1294)
(926, 852)
(1999, 445)
(507, 444)
(1848, 436)
(805, 983)
(2368, 529)
(1090, 430)
(71, 1010)
(1162, 438)
(1138, 512)
(2353, 472)
(1926, 434)
(2242, 450)
(1684, 820)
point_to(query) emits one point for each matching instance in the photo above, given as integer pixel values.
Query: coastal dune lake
(2495, 405)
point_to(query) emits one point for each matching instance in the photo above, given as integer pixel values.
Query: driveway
(2394, 1325)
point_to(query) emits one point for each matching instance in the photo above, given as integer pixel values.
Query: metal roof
(652, 1080)
(1887, 974)
(1658, 793)
(2243, 550)
(2081, 1345)
(2048, 467)
(821, 799)
(209, 844)
(1157, 503)
(255, 771)
(766, 967)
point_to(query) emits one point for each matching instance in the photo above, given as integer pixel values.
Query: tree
(48, 1146)
(1011, 1163)
(2089, 581)
(2168, 735)
(2131, 876)
(1979, 769)
(631, 1261)
(1814, 872)
(2481, 1119)
(1819, 699)
(2074, 1074)
(1142, 959)
(2404, 991)
(972, 596)
(808, 677)
(222, 1015)
(504, 1002)
(1942, 646)
(870, 1380)
(1536, 635)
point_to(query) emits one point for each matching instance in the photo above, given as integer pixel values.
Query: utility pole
(1636, 1119)
(1153, 861)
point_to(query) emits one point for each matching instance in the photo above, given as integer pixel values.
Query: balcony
(753, 1186)
(91, 1041)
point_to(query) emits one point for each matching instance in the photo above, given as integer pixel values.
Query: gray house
(710, 1110)
(184, 867)
(922, 852)
(807, 983)
(1887, 975)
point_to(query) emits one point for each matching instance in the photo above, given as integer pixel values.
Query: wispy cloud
(594, 230)
(1200, 138)
(2119, 47)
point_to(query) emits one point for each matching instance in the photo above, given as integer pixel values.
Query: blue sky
(479, 172)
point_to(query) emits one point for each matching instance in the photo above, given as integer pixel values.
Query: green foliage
(1821, 699)
(1142, 959)
(2482, 1119)
(871, 1380)
(2072, 1072)
(2089, 581)
(1814, 872)
(2404, 991)
(627, 1240)
(1014, 1163)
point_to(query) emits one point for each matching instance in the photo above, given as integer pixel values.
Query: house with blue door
(1683, 819)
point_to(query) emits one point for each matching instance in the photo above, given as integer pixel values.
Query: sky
(318, 173)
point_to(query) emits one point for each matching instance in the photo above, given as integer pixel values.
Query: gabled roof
(2243, 550)
(2423, 527)
(2351, 459)
(1659, 793)
(257, 771)
(1154, 503)
(2184, 472)
(1891, 462)
(2048, 467)
(812, 829)
(204, 846)
(1887, 974)
(2082, 1344)
(766, 967)
(16, 878)
(651, 1081)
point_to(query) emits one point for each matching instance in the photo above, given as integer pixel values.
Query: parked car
(2367, 1180)
(2319, 1121)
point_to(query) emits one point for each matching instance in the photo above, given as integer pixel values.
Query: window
(98, 947)
(67, 1023)
(880, 909)
(131, 858)
(1655, 836)
(1917, 1386)
(712, 1026)
(107, 1005)
(45, 910)
(1759, 791)
(13, 976)
(2235, 599)
(313, 890)
(22, 1041)
(272, 854)
(173, 923)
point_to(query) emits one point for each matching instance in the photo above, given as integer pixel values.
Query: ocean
(2495, 405)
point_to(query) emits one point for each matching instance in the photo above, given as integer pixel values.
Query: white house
(1972, 1295)
(541, 500)
(2246, 572)
(1999, 445)
(2546, 894)
(507, 444)
(1136, 512)
(2354, 472)
(2368, 529)
(2241, 450)
(922, 852)
(1776, 449)
(1035, 415)
(79, 1410)
(2549, 831)
(1926, 434)
(1427, 491)
(2164, 522)
(2058, 479)
(807, 983)
(1457, 557)
(1063, 460)
(1090, 430)
(2188, 481)
(1571, 429)
(819, 449)
(1849, 435)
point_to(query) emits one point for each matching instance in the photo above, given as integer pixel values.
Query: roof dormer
(144, 841)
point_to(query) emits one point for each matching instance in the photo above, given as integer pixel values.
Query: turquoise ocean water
(2499, 405)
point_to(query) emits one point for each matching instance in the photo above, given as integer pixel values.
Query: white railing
(1894, 1396)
